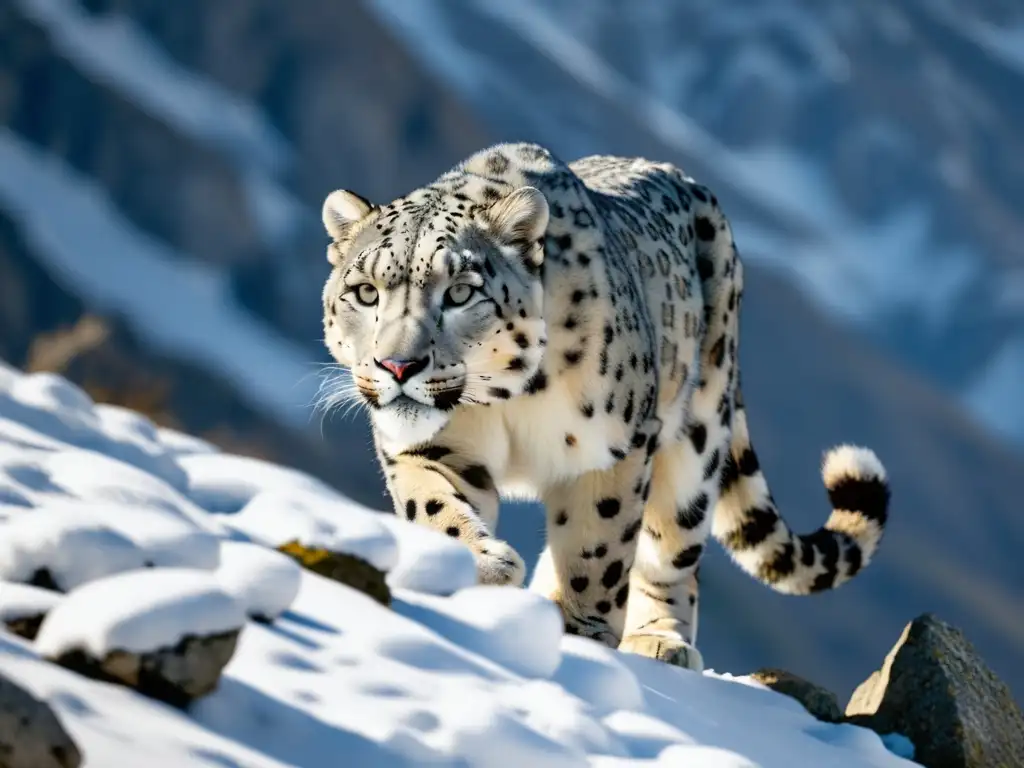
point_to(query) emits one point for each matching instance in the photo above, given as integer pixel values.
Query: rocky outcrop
(936, 690)
(347, 569)
(820, 702)
(176, 675)
(31, 736)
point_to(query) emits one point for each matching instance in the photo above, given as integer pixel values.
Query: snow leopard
(523, 327)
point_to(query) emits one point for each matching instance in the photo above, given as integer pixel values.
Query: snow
(265, 582)
(69, 550)
(226, 483)
(23, 601)
(179, 444)
(274, 518)
(450, 674)
(139, 612)
(56, 410)
(428, 561)
(515, 628)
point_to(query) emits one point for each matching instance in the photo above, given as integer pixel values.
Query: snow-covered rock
(276, 517)
(168, 632)
(263, 580)
(139, 612)
(428, 561)
(61, 551)
(23, 607)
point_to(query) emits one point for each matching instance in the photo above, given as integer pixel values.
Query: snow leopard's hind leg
(661, 620)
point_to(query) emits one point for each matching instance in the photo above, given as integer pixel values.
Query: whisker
(337, 393)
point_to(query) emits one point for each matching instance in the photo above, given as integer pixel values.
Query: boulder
(936, 690)
(166, 632)
(820, 702)
(31, 736)
(176, 675)
(347, 569)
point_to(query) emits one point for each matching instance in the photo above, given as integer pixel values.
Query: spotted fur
(572, 332)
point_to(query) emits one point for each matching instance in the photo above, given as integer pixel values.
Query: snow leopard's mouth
(405, 421)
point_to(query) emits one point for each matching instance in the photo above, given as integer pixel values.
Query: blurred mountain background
(162, 167)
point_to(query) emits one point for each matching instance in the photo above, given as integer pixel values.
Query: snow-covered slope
(451, 674)
(870, 152)
(174, 139)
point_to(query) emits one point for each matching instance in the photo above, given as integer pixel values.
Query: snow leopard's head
(435, 301)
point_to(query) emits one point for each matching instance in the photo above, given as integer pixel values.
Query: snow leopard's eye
(458, 295)
(366, 294)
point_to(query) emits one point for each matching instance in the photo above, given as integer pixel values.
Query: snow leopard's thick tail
(749, 525)
(746, 521)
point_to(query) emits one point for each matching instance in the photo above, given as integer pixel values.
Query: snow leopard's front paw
(671, 650)
(497, 563)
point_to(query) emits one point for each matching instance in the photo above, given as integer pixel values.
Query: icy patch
(265, 582)
(139, 612)
(22, 601)
(65, 549)
(274, 518)
(222, 482)
(428, 561)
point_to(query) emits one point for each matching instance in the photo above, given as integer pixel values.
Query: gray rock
(31, 736)
(820, 702)
(176, 675)
(938, 692)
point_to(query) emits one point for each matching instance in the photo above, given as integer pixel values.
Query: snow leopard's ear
(342, 210)
(521, 218)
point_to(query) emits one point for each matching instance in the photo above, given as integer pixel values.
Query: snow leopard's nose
(403, 370)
